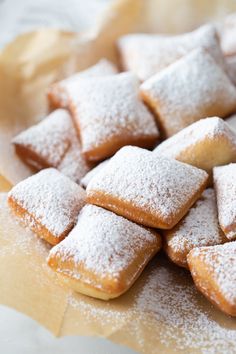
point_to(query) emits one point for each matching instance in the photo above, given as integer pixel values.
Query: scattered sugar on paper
(168, 307)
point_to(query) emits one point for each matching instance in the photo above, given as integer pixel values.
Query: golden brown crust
(108, 149)
(30, 157)
(137, 214)
(178, 94)
(30, 221)
(104, 254)
(205, 282)
(106, 288)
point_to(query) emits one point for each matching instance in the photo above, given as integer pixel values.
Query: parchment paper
(163, 312)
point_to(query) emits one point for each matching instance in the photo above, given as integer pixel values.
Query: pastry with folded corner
(151, 190)
(48, 203)
(53, 142)
(214, 272)
(61, 93)
(192, 88)
(225, 186)
(200, 227)
(205, 144)
(147, 54)
(104, 254)
(109, 114)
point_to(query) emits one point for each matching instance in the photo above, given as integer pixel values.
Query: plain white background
(19, 334)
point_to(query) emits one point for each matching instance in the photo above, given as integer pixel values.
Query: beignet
(62, 92)
(200, 227)
(150, 190)
(45, 144)
(48, 203)
(225, 186)
(104, 254)
(192, 88)
(148, 54)
(205, 144)
(214, 272)
(109, 115)
(53, 142)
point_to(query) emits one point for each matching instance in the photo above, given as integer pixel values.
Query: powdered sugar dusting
(25, 239)
(88, 177)
(74, 165)
(109, 108)
(192, 88)
(50, 139)
(51, 198)
(199, 228)
(105, 243)
(221, 263)
(155, 183)
(225, 185)
(147, 54)
(166, 305)
(208, 128)
(66, 89)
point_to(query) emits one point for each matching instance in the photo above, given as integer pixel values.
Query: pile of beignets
(129, 162)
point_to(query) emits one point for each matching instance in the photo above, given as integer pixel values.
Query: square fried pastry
(48, 203)
(192, 88)
(104, 254)
(61, 93)
(214, 272)
(205, 144)
(225, 186)
(53, 142)
(45, 144)
(151, 190)
(109, 115)
(200, 227)
(147, 54)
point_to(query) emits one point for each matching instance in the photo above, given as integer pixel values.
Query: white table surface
(18, 333)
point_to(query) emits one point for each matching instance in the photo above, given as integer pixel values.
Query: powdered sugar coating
(220, 261)
(49, 139)
(66, 90)
(74, 165)
(192, 88)
(88, 177)
(198, 228)
(166, 309)
(105, 244)
(225, 186)
(154, 183)
(208, 129)
(51, 198)
(109, 108)
(147, 54)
